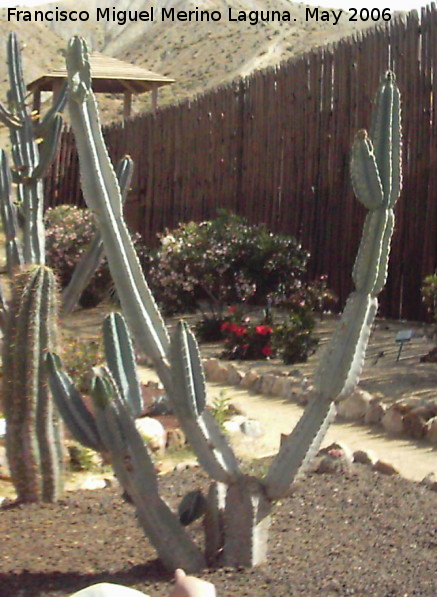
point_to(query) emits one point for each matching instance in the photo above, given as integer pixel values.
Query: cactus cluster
(34, 433)
(34, 141)
(237, 510)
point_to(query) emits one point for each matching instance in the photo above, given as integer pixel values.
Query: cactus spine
(238, 508)
(33, 430)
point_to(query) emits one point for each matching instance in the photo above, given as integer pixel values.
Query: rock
(335, 458)
(252, 428)
(267, 382)
(385, 468)
(393, 421)
(105, 589)
(210, 367)
(278, 385)
(249, 380)
(91, 483)
(176, 439)
(190, 586)
(215, 371)
(234, 375)
(233, 425)
(430, 481)
(365, 457)
(184, 466)
(153, 433)
(376, 409)
(415, 422)
(431, 431)
(354, 406)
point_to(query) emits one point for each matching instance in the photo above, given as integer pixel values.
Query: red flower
(267, 351)
(263, 330)
(225, 326)
(232, 309)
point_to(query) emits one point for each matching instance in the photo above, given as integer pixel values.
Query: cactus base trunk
(237, 523)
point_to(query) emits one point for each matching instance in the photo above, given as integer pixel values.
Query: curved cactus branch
(102, 194)
(120, 358)
(135, 470)
(376, 176)
(14, 257)
(91, 259)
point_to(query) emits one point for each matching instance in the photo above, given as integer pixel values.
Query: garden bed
(361, 534)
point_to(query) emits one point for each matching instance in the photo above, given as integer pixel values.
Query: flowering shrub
(223, 261)
(314, 296)
(69, 231)
(245, 340)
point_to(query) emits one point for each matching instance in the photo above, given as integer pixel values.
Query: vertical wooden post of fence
(127, 104)
(154, 99)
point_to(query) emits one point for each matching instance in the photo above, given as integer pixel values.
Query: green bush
(223, 261)
(293, 340)
(429, 295)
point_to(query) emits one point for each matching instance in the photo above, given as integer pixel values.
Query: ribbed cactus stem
(134, 468)
(376, 177)
(14, 257)
(33, 147)
(33, 430)
(91, 259)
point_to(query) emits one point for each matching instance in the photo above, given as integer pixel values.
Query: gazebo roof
(109, 76)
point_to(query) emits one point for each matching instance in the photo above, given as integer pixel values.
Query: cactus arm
(342, 362)
(57, 107)
(364, 172)
(9, 119)
(385, 132)
(93, 256)
(102, 194)
(188, 399)
(135, 470)
(76, 415)
(120, 358)
(48, 147)
(17, 97)
(9, 216)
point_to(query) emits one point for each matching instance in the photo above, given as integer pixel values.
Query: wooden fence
(275, 148)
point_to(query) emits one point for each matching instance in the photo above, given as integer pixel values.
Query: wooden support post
(154, 98)
(37, 100)
(127, 105)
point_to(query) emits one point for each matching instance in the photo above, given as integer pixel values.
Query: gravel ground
(335, 535)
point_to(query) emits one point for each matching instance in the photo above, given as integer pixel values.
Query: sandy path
(414, 460)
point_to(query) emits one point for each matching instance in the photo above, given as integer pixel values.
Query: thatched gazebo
(109, 76)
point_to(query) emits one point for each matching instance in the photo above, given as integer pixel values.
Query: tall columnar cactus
(33, 146)
(33, 429)
(91, 259)
(238, 506)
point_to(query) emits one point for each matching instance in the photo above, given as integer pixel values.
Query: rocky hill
(199, 55)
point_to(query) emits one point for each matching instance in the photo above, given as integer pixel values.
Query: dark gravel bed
(362, 534)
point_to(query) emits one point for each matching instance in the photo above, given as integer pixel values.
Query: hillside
(199, 55)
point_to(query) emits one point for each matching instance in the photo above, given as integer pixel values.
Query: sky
(345, 4)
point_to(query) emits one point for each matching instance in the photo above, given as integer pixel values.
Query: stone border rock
(414, 417)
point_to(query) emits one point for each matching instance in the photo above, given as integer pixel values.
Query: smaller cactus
(33, 429)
